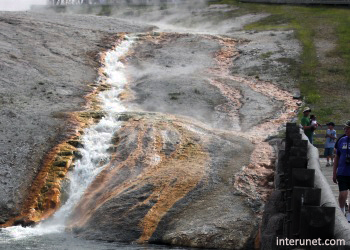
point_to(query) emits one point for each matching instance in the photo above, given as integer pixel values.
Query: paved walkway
(328, 173)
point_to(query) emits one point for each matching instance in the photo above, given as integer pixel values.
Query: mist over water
(188, 17)
(183, 16)
(19, 5)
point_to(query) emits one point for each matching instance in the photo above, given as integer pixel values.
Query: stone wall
(303, 205)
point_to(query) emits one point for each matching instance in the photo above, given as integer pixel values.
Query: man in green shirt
(306, 123)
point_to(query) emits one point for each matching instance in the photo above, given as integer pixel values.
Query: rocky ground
(218, 91)
(48, 62)
(169, 182)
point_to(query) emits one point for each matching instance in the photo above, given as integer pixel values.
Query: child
(331, 135)
(314, 123)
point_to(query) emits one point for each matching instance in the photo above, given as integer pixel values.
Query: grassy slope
(324, 81)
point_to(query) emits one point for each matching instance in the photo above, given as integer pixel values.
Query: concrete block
(303, 177)
(317, 222)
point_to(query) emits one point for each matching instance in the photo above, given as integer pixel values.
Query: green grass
(324, 83)
(342, 18)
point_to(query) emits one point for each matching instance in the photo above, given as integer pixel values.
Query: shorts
(343, 182)
(328, 151)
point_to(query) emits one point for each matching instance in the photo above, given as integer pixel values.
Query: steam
(182, 16)
(19, 5)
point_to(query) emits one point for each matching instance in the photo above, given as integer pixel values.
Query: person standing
(306, 123)
(331, 135)
(314, 123)
(341, 167)
(336, 143)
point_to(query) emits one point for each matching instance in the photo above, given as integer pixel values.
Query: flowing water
(50, 234)
(65, 241)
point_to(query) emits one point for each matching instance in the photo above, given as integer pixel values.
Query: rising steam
(19, 5)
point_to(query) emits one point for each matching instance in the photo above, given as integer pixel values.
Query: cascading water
(96, 140)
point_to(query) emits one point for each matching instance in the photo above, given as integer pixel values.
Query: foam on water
(96, 141)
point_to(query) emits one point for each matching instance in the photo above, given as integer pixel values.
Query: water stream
(50, 234)
(96, 139)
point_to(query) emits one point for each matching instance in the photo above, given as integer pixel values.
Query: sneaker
(327, 165)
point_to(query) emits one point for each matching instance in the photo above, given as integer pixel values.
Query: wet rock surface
(172, 72)
(189, 165)
(47, 62)
(169, 181)
(169, 74)
(197, 172)
(268, 55)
